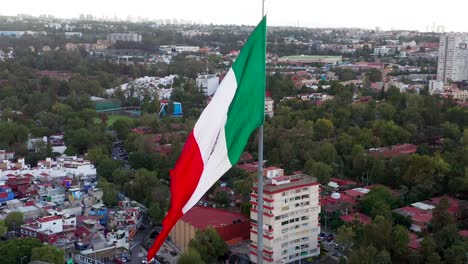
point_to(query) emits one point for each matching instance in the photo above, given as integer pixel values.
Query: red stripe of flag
(184, 179)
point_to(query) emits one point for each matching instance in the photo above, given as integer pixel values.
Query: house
(341, 183)
(51, 229)
(419, 218)
(339, 202)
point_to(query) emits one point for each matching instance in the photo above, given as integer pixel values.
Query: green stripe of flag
(247, 109)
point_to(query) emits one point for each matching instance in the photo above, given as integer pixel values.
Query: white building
(453, 58)
(290, 219)
(383, 50)
(269, 107)
(208, 82)
(436, 87)
(63, 166)
(174, 48)
(128, 37)
(147, 86)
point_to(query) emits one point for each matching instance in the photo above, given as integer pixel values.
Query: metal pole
(260, 197)
(260, 179)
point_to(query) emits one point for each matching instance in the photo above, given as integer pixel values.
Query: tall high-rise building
(290, 218)
(453, 58)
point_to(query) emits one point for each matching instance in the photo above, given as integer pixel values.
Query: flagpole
(260, 177)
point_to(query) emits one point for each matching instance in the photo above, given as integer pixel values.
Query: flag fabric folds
(221, 133)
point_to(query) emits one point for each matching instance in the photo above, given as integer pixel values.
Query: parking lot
(333, 249)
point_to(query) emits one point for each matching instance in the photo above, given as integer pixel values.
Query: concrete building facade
(269, 107)
(453, 58)
(208, 82)
(128, 37)
(290, 219)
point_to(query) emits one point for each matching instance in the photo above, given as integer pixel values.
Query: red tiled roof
(343, 181)
(414, 242)
(354, 193)
(82, 218)
(49, 218)
(453, 203)
(250, 167)
(417, 214)
(202, 217)
(362, 218)
(343, 199)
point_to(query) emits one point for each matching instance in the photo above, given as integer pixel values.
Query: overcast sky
(395, 14)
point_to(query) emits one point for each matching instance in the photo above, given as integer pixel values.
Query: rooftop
(296, 181)
(362, 218)
(202, 217)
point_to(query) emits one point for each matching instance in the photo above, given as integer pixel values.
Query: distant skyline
(396, 14)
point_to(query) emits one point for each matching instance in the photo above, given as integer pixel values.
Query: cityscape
(365, 143)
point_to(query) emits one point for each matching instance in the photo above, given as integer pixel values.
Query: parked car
(330, 237)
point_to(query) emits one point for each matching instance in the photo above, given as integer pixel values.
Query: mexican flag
(221, 133)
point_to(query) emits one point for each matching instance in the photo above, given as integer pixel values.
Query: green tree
(79, 139)
(14, 220)
(190, 256)
(14, 249)
(440, 215)
(320, 170)
(364, 255)
(378, 199)
(428, 247)
(400, 240)
(123, 127)
(110, 192)
(456, 253)
(383, 257)
(209, 244)
(3, 228)
(48, 253)
(326, 153)
(222, 198)
(155, 213)
(96, 154)
(107, 167)
(433, 258)
(374, 75)
(323, 128)
(345, 236)
(451, 130)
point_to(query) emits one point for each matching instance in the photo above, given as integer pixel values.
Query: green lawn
(112, 118)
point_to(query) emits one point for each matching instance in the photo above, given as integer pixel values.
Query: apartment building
(290, 218)
(127, 37)
(453, 58)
